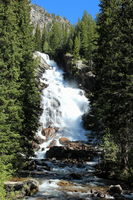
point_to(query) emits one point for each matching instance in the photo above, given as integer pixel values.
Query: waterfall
(63, 106)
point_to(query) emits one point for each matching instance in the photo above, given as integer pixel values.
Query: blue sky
(71, 9)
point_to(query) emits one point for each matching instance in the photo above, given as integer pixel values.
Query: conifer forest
(96, 55)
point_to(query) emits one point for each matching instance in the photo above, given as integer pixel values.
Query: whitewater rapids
(63, 106)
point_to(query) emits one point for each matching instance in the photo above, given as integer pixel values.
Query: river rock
(64, 140)
(22, 188)
(49, 132)
(72, 150)
(39, 140)
(35, 146)
(43, 85)
(115, 189)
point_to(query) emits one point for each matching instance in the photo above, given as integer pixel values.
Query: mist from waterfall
(63, 105)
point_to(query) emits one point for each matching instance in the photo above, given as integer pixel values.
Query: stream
(63, 105)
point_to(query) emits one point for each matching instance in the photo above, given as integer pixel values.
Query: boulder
(49, 132)
(21, 188)
(35, 146)
(39, 140)
(115, 189)
(72, 150)
(64, 140)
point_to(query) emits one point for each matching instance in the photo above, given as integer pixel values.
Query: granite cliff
(39, 16)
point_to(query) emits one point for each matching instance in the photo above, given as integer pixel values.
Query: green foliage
(30, 97)
(86, 28)
(10, 106)
(4, 176)
(76, 47)
(37, 39)
(112, 100)
(19, 96)
(109, 147)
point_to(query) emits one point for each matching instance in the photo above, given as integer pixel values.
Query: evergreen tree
(55, 38)
(44, 38)
(76, 47)
(10, 106)
(38, 39)
(112, 101)
(30, 98)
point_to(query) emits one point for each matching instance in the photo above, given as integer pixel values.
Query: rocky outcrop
(39, 16)
(72, 150)
(64, 140)
(49, 132)
(21, 189)
(42, 65)
(79, 71)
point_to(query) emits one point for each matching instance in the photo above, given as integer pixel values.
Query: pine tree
(112, 100)
(38, 39)
(76, 47)
(30, 97)
(55, 38)
(10, 106)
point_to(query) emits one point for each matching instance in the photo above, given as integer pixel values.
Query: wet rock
(52, 143)
(100, 195)
(41, 61)
(75, 176)
(49, 132)
(72, 150)
(115, 189)
(35, 146)
(43, 86)
(22, 188)
(64, 140)
(39, 140)
(65, 183)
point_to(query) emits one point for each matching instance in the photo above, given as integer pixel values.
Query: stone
(43, 85)
(22, 188)
(115, 189)
(64, 183)
(64, 140)
(39, 16)
(72, 150)
(39, 140)
(41, 61)
(49, 132)
(35, 146)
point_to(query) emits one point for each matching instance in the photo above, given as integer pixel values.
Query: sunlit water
(63, 105)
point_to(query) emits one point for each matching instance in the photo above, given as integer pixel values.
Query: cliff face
(41, 17)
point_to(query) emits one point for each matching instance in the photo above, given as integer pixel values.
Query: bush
(4, 176)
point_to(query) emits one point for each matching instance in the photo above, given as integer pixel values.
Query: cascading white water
(63, 106)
